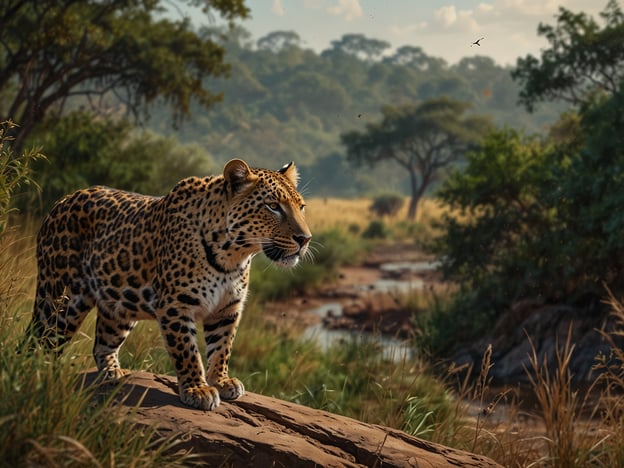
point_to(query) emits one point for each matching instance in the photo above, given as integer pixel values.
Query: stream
(396, 277)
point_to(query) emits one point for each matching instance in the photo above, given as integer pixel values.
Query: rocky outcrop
(547, 327)
(260, 431)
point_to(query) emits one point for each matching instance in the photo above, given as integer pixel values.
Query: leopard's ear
(291, 173)
(239, 176)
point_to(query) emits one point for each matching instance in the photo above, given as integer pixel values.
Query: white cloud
(277, 8)
(350, 9)
(446, 15)
(462, 20)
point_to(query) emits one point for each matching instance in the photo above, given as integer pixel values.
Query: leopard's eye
(274, 207)
(302, 208)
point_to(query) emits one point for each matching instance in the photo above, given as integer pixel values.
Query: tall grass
(47, 416)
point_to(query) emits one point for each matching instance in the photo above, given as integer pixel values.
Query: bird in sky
(477, 42)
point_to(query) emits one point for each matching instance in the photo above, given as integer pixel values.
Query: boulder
(261, 431)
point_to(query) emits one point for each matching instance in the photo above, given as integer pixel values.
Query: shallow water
(395, 349)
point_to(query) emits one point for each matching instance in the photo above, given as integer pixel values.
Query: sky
(442, 28)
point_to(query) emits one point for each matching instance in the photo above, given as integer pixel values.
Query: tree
(423, 139)
(361, 46)
(278, 40)
(541, 218)
(415, 57)
(583, 58)
(126, 50)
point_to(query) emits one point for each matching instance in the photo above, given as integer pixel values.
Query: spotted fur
(182, 259)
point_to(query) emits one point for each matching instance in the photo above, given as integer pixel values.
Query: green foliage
(82, 151)
(45, 415)
(14, 170)
(446, 324)
(376, 229)
(500, 239)
(582, 58)
(536, 220)
(56, 49)
(387, 204)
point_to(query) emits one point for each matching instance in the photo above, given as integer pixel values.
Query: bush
(387, 204)
(84, 151)
(375, 230)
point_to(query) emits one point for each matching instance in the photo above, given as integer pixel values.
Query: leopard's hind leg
(58, 312)
(63, 297)
(111, 331)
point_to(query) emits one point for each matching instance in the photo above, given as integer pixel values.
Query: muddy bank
(363, 298)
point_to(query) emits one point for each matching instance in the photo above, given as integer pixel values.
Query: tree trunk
(261, 431)
(416, 194)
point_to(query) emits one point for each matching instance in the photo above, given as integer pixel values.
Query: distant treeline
(285, 102)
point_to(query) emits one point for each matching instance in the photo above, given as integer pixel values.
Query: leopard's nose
(302, 239)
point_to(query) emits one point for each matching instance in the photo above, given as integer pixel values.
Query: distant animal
(477, 42)
(182, 260)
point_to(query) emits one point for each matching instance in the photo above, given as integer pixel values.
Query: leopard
(182, 259)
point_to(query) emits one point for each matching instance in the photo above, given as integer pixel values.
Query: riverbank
(365, 298)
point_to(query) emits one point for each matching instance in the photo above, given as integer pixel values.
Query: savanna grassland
(46, 421)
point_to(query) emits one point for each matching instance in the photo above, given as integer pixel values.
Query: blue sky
(443, 28)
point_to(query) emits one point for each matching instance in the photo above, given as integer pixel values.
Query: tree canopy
(422, 139)
(124, 50)
(583, 58)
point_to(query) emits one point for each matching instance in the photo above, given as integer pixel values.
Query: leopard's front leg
(180, 334)
(219, 332)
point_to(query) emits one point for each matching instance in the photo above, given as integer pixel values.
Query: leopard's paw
(201, 397)
(230, 388)
(112, 374)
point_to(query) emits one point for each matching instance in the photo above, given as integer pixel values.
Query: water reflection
(393, 349)
(397, 277)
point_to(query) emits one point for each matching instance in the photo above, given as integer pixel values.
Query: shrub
(375, 230)
(387, 204)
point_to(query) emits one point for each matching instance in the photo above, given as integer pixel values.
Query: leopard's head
(266, 211)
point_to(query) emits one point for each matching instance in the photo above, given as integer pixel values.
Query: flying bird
(477, 42)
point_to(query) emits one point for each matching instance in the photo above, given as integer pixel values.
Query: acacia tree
(422, 139)
(583, 58)
(53, 50)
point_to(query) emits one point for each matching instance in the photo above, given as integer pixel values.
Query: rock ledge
(261, 431)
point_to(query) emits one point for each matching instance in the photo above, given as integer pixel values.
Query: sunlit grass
(354, 214)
